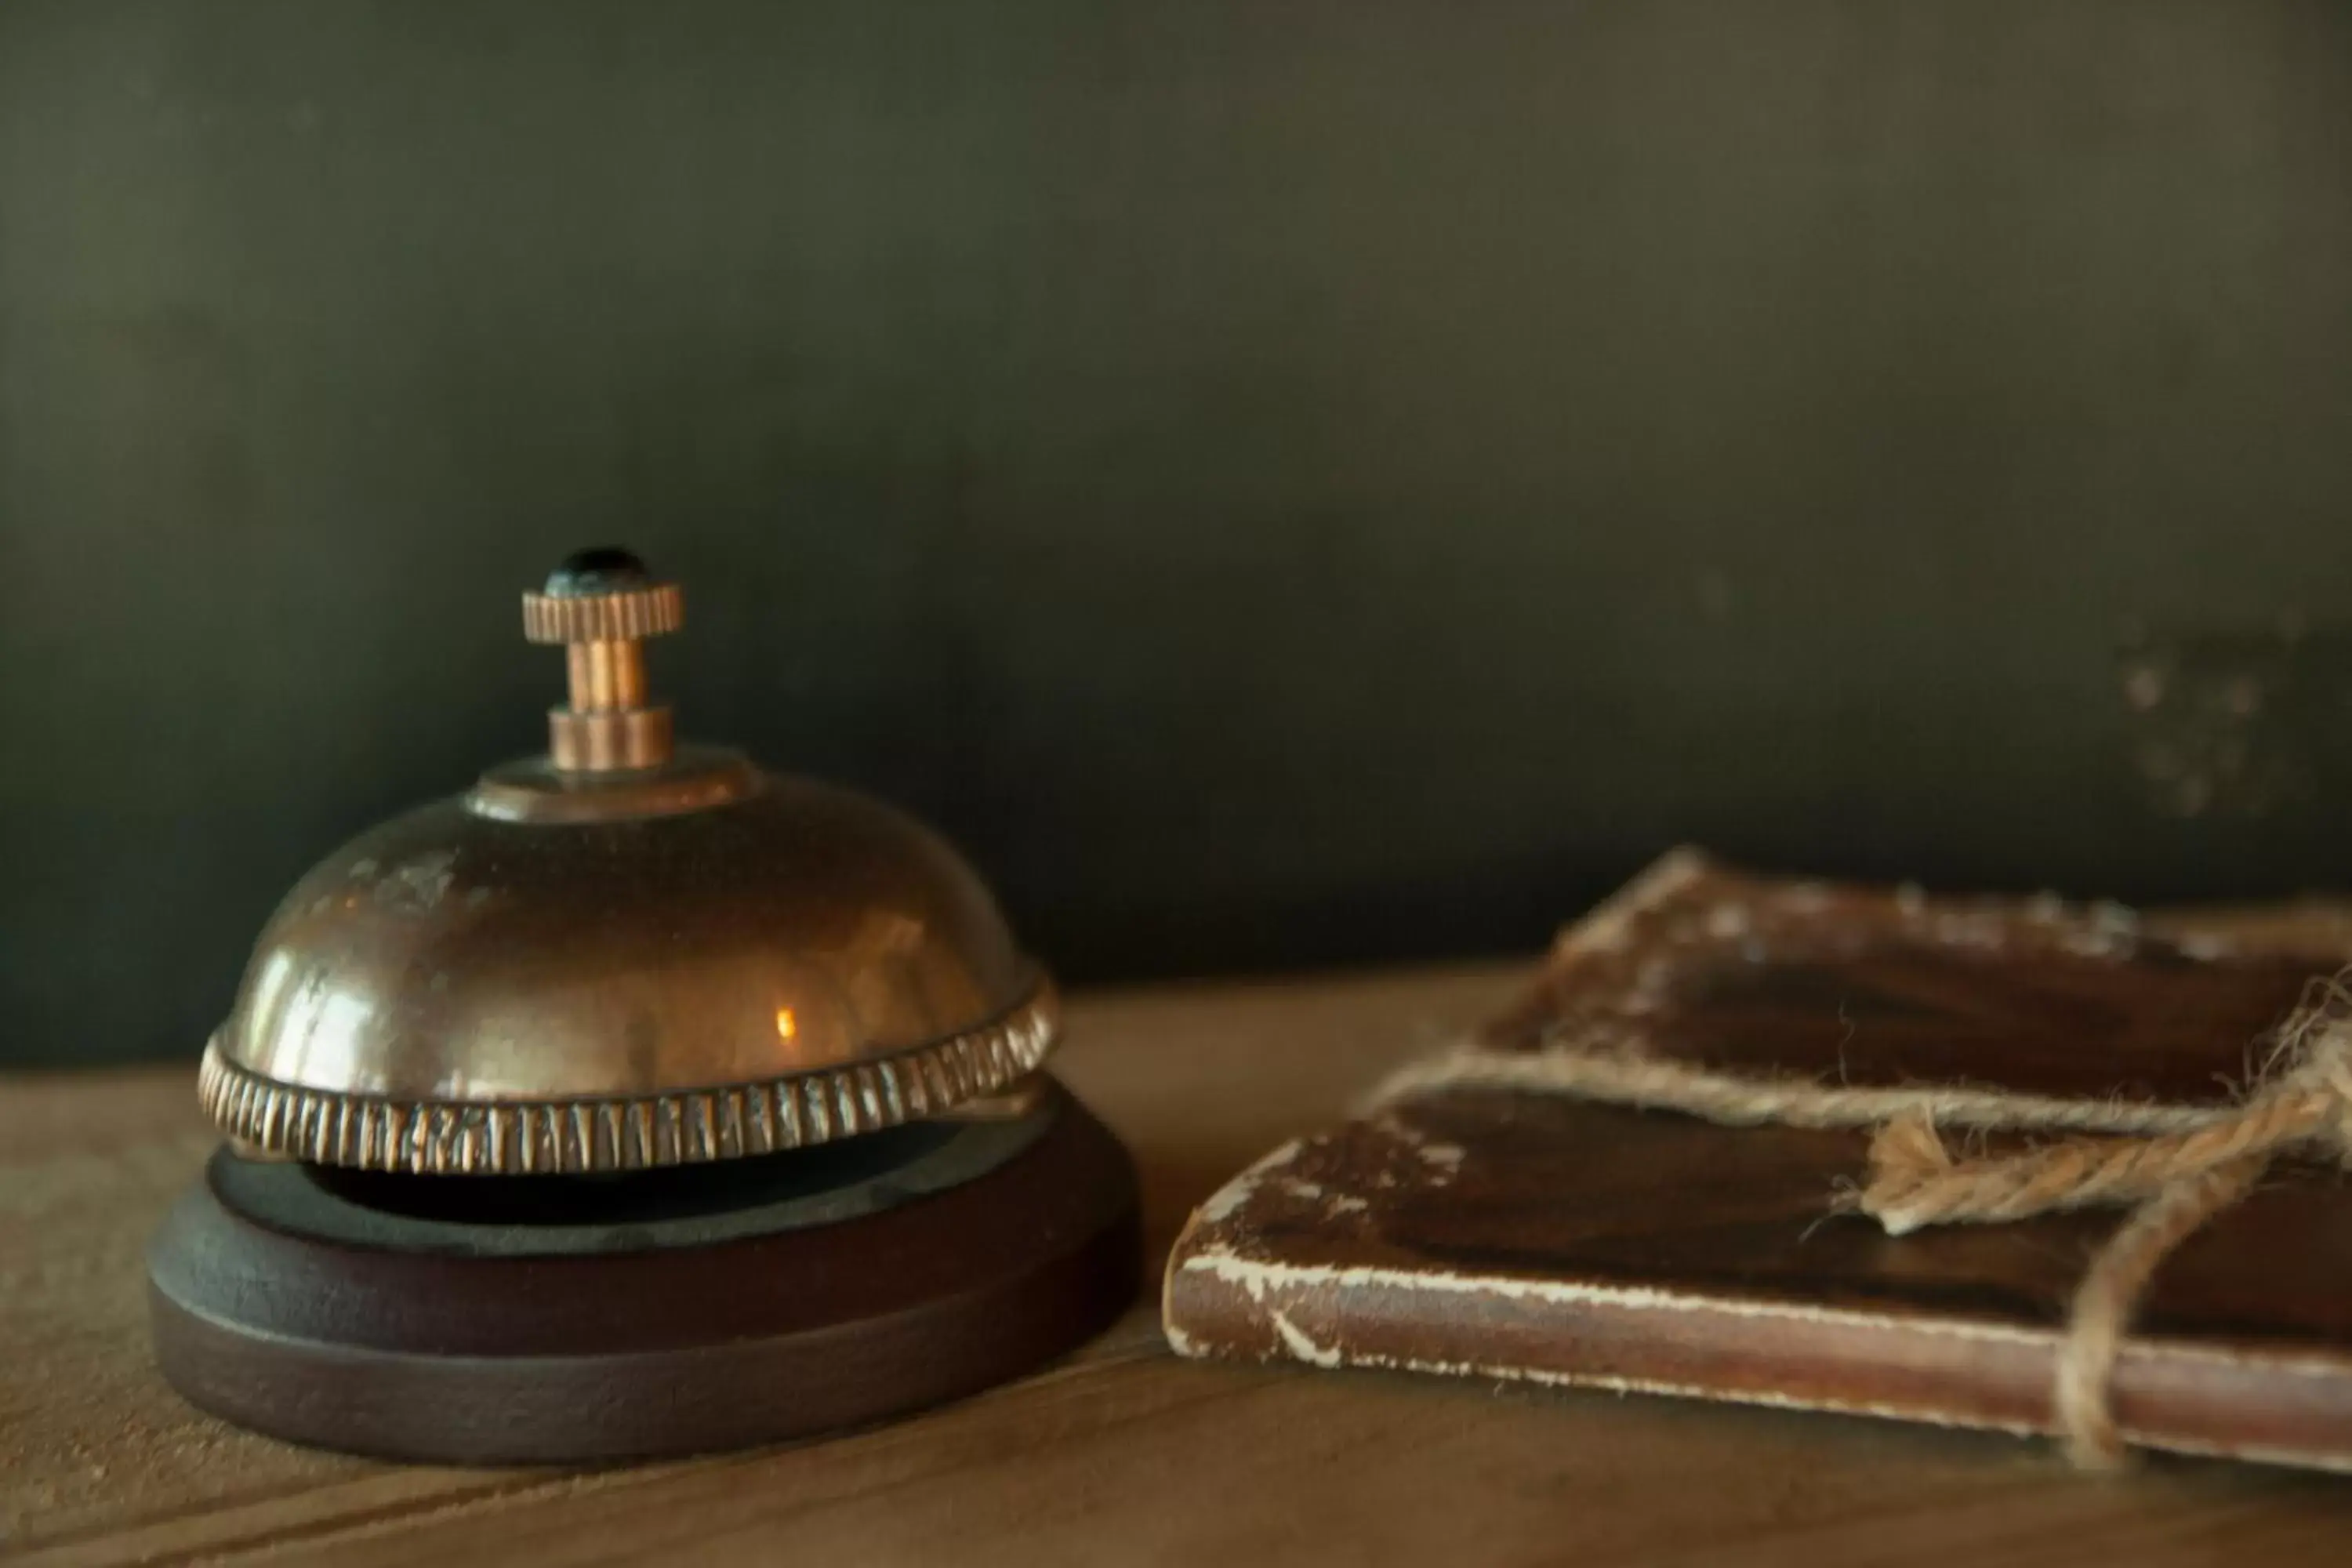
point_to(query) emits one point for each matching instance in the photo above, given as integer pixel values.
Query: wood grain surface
(1120, 1454)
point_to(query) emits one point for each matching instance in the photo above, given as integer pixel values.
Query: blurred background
(1283, 484)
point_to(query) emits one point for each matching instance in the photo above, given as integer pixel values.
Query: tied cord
(2175, 1166)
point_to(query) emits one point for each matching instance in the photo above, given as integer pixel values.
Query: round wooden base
(605, 1354)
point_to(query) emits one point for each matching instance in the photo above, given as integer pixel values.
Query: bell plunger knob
(602, 605)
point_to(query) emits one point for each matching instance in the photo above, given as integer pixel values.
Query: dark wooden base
(619, 1354)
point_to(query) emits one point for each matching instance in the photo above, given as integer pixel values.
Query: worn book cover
(2086, 1106)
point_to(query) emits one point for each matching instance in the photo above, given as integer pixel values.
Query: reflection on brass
(535, 790)
(608, 742)
(659, 949)
(606, 675)
(1016, 1100)
(985, 1075)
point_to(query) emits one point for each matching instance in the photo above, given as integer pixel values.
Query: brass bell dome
(621, 955)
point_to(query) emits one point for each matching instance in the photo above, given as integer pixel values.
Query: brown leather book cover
(1465, 1223)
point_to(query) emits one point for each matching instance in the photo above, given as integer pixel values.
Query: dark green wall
(1283, 483)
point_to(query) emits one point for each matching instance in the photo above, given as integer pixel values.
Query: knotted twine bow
(2175, 1166)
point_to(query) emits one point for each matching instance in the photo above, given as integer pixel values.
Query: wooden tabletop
(1121, 1454)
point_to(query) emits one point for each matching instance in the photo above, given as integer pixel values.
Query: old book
(1484, 1228)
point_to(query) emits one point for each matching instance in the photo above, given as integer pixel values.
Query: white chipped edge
(1260, 1280)
(1257, 1278)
